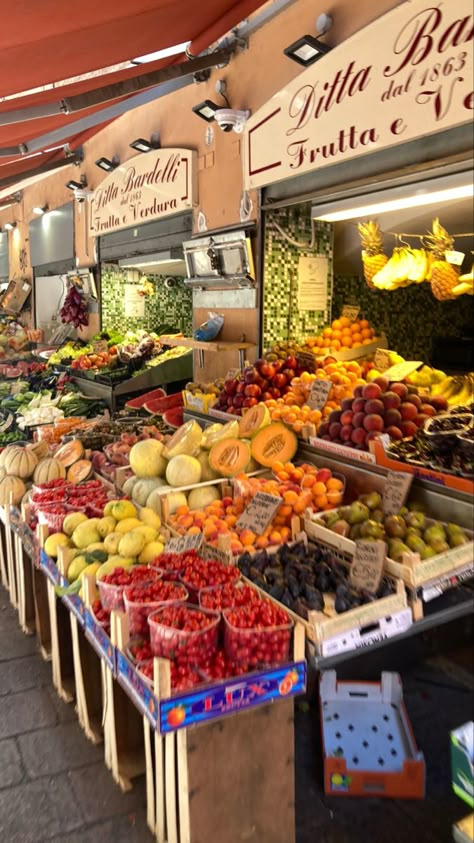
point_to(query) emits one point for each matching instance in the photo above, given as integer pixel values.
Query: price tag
(402, 370)
(258, 514)
(397, 486)
(351, 311)
(184, 543)
(318, 396)
(382, 360)
(456, 258)
(367, 567)
(215, 554)
(99, 346)
(232, 374)
(306, 361)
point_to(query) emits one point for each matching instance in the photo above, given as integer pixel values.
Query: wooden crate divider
(11, 566)
(26, 610)
(3, 555)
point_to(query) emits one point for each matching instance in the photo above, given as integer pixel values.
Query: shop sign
(259, 512)
(404, 76)
(145, 188)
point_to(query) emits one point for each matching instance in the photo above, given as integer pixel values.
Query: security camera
(231, 119)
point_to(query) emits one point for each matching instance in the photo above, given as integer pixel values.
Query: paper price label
(367, 566)
(382, 360)
(306, 361)
(215, 554)
(401, 370)
(231, 374)
(319, 394)
(258, 514)
(397, 486)
(99, 346)
(351, 311)
(456, 258)
(184, 543)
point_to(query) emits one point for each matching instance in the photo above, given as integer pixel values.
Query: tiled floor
(54, 785)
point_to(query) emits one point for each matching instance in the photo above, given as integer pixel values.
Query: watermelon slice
(173, 417)
(138, 403)
(158, 406)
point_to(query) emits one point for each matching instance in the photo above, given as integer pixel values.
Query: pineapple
(373, 257)
(444, 277)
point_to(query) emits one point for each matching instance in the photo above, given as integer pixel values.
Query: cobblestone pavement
(54, 785)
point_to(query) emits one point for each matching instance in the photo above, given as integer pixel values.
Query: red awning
(43, 43)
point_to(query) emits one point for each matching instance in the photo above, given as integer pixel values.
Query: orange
(357, 337)
(334, 484)
(290, 497)
(345, 322)
(365, 332)
(367, 341)
(275, 537)
(182, 510)
(336, 325)
(336, 345)
(327, 332)
(363, 323)
(285, 510)
(347, 342)
(337, 334)
(346, 332)
(247, 538)
(319, 488)
(334, 498)
(320, 501)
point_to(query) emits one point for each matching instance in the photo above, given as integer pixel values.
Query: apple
(358, 435)
(230, 401)
(275, 392)
(323, 430)
(267, 370)
(334, 416)
(279, 380)
(334, 430)
(420, 419)
(392, 418)
(427, 410)
(289, 374)
(291, 362)
(266, 396)
(358, 391)
(250, 375)
(414, 399)
(230, 386)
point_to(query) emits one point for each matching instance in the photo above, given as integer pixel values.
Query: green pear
(359, 512)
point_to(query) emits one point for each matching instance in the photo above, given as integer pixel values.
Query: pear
(341, 527)
(439, 545)
(358, 512)
(355, 532)
(371, 530)
(373, 500)
(416, 506)
(377, 515)
(415, 543)
(397, 550)
(415, 519)
(395, 526)
(457, 539)
(434, 533)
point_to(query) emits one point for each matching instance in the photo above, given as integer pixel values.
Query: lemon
(54, 541)
(150, 552)
(149, 533)
(127, 524)
(72, 521)
(106, 525)
(122, 510)
(150, 518)
(111, 542)
(131, 544)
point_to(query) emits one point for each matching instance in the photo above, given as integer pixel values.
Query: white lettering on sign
(184, 543)
(350, 311)
(258, 514)
(367, 566)
(407, 74)
(397, 486)
(143, 189)
(318, 396)
(381, 360)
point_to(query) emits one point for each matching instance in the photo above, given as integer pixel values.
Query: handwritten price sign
(367, 566)
(319, 394)
(350, 311)
(397, 486)
(258, 514)
(184, 543)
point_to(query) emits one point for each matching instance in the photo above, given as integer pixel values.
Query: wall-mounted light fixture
(39, 210)
(142, 145)
(107, 164)
(77, 185)
(206, 110)
(307, 49)
(9, 226)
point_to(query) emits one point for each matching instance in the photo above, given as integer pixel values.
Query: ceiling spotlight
(39, 210)
(9, 226)
(207, 110)
(77, 185)
(142, 145)
(107, 164)
(308, 49)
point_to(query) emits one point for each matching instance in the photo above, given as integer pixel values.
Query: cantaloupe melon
(186, 440)
(127, 487)
(253, 420)
(147, 459)
(143, 489)
(216, 433)
(183, 470)
(20, 462)
(200, 498)
(207, 473)
(229, 457)
(274, 442)
(154, 499)
(49, 469)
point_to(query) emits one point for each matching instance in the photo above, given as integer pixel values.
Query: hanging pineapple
(373, 257)
(444, 276)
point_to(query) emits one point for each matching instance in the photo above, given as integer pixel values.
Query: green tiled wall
(281, 319)
(173, 307)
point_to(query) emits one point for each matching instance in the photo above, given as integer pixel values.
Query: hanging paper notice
(397, 486)
(351, 311)
(381, 360)
(313, 283)
(232, 374)
(134, 303)
(258, 514)
(319, 394)
(184, 543)
(367, 566)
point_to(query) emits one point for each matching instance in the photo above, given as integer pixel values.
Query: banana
(448, 387)
(464, 288)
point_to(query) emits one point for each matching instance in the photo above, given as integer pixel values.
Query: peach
(182, 510)
(323, 475)
(358, 419)
(373, 423)
(391, 400)
(227, 501)
(346, 417)
(373, 434)
(262, 542)
(334, 484)
(358, 391)
(185, 521)
(334, 417)
(346, 432)
(358, 405)
(408, 411)
(408, 428)
(323, 430)
(194, 531)
(414, 399)
(427, 410)
(358, 434)
(346, 404)
(374, 407)
(382, 382)
(334, 498)
(394, 432)
(275, 537)
(334, 430)
(371, 390)
(247, 537)
(392, 417)
(420, 419)
(400, 388)
(439, 403)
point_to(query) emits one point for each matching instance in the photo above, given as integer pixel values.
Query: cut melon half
(186, 440)
(253, 420)
(215, 433)
(229, 457)
(274, 442)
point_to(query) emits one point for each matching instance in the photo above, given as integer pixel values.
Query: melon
(183, 470)
(20, 463)
(12, 490)
(70, 453)
(253, 464)
(49, 469)
(127, 487)
(200, 498)
(79, 471)
(215, 433)
(253, 420)
(186, 440)
(207, 473)
(142, 490)
(154, 500)
(6, 453)
(274, 442)
(147, 458)
(229, 457)
(174, 500)
(40, 449)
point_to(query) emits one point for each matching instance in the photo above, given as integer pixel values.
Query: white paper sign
(381, 360)
(184, 543)
(319, 394)
(397, 486)
(258, 514)
(367, 566)
(313, 283)
(351, 311)
(134, 303)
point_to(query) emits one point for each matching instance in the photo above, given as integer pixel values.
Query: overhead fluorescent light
(161, 54)
(39, 210)
(397, 199)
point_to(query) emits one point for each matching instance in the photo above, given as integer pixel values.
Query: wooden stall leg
(87, 677)
(170, 789)
(10, 559)
(126, 736)
(42, 622)
(160, 818)
(183, 786)
(61, 646)
(149, 774)
(26, 609)
(3, 557)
